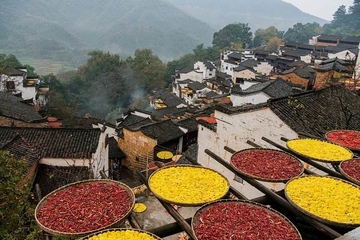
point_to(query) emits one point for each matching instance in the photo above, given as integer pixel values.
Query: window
(10, 85)
(238, 179)
(240, 80)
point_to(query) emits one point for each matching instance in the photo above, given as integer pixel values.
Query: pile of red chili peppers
(352, 168)
(85, 207)
(346, 138)
(240, 220)
(267, 164)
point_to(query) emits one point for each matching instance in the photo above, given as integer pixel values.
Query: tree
(149, 68)
(345, 23)
(9, 60)
(16, 206)
(273, 44)
(340, 14)
(262, 36)
(233, 34)
(302, 32)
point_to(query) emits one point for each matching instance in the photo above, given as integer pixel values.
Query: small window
(10, 85)
(238, 179)
(227, 67)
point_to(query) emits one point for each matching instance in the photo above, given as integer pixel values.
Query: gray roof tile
(56, 142)
(13, 107)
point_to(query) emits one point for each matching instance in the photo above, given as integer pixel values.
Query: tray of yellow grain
(319, 150)
(330, 200)
(121, 233)
(188, 185)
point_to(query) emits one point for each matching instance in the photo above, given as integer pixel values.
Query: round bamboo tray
(328, 138)
(319, 159)
(350, 178)
(237, 218)
(80, 234)
(188, 185)
(326, 206)
(258, 176)
(121, 230)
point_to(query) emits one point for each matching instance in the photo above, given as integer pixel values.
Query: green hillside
(58, 31)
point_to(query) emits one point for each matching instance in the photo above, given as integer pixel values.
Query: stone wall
(138, 148)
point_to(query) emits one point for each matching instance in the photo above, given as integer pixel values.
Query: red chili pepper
(352, 168)
(84, 207)
(239, 220)
(346, 138)
(267, 164)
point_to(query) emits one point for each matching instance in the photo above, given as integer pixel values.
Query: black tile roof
(235, 55)
(272, 57)
(191, 152)
(262, 52)
(169, 112)
(351, 39)
(273, 88)
(243, 68)
(196, 86)
(169, 98)
(185, 70)
(114, 151)
(324, 37)
(185, 81)
(217, 62)
(279, 88)
(13, 107)
(56, 142)
(211, 94)
(173, 101)
(302, 71)
(21, 148)
(295, 53)
(132, 119)
(11, 71)
(336, 49)
(189, 123)
(209, 65)
(250, 63)
(314, 113)
(239, 109)
(163, 132)
(334, 64)
(223, 75)
(231, 61)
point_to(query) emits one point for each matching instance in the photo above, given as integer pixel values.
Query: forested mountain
(63, 32)
(54, 29)
(257, 13)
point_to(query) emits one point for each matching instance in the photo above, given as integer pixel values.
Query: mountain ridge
(66, 30)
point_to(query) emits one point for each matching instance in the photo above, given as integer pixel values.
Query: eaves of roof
(56, 142)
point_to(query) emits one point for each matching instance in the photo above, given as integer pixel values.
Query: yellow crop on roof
(320, 150)
(188, 185)
(125, 234)
(326, 197)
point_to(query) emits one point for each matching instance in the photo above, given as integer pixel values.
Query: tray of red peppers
(346, 138)
(240, 219)
(351, 170)
(266, 164)
(84, 207)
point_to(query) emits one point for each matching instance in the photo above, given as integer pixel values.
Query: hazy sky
(320, 8)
